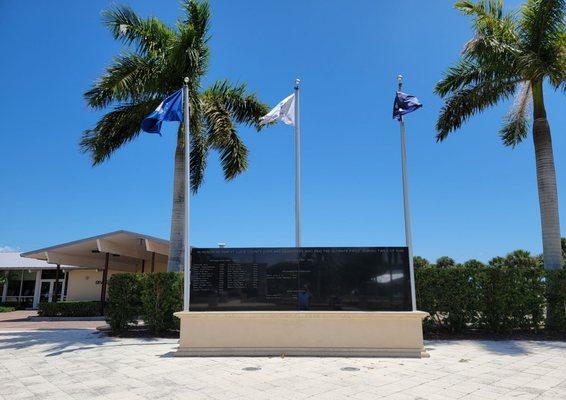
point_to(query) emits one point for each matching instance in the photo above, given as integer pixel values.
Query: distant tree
(563, 242)
(445, 262)
(513, 54)
(517, 258)
(497, 261)
(420, 262)
(473, 263)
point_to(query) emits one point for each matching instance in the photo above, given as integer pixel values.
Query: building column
(37, 289)
(64, 284)
(104, 280)
(57, 283)
(152, 262)
(5, 288)
(21, 287)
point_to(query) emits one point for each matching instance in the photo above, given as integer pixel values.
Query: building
(79, 270)
(30, 281)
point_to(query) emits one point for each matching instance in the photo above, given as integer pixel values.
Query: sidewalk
(83, 364)
(18, 320)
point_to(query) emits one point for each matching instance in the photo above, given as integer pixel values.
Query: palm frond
(188, 56)
(130, 78)
(199, 150)
(516, 122)
(197, 14)
(148, 35)
(222, 136)
(542, 21)
(495, 43)
(244, 108)
(199, 153)
(557, 70)
(542, 36)
(466, 102)
(189, 53)
(115, 129)
(468, 72)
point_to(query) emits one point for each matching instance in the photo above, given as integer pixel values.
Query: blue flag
(170, 109)
(404, 104)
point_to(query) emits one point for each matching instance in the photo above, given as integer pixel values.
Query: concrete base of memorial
(301, 333)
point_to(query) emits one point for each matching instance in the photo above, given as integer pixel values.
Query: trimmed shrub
(124, 301)
(449, 295)
(7, 309)
(22, 305)
(556, 298)
(69, 309)
(15, 305)
(499, 299)
(162, 295)
(511, 298)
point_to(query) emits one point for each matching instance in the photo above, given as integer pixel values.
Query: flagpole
(408, 235)
(187, 178)
(297, 167)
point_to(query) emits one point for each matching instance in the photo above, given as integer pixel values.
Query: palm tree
(154, 65)
(513, 54)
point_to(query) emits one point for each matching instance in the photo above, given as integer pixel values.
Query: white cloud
(7, 249)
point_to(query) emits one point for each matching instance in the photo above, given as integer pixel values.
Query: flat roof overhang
(127, 251)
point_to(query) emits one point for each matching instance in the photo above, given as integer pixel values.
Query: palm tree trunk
(176, 252)
(546, 179)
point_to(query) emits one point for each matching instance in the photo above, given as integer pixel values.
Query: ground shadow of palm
(504, 347)
(56, 341)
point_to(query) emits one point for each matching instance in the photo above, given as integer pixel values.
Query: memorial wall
(307, 278)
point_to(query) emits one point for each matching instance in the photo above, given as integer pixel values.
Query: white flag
(284, 111)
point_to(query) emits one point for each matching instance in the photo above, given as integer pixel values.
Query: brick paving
(18, 320)
(82, 364)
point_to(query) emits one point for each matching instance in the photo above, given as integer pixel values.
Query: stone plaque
(308, 278)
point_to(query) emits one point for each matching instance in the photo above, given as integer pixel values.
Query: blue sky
(471, 197)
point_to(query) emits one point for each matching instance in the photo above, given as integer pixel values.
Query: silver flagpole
(187, 247)
(408, 235)
(297, 167)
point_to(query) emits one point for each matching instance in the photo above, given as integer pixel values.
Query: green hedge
(7, 309)
(17, 305)
(124, 301)
(511, 298)
(497, 299)
(492, 298)
(162, 295)
(154, 297)
(556, 295)
(69, 309)
(449, 295)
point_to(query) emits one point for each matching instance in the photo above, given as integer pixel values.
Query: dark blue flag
(404, 104)
(170, 109)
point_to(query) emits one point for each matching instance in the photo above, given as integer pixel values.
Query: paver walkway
(81, 364)
(18, 320)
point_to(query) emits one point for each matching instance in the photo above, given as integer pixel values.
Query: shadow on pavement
(502, 347)
(58, 341)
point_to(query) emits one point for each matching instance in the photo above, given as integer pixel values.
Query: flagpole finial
(400, 81)
(186, 80)
(297, 82)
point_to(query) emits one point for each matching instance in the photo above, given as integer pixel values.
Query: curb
(41, 319)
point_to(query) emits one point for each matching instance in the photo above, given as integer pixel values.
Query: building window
(28, 284)
(14, 281)
(21, 287)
